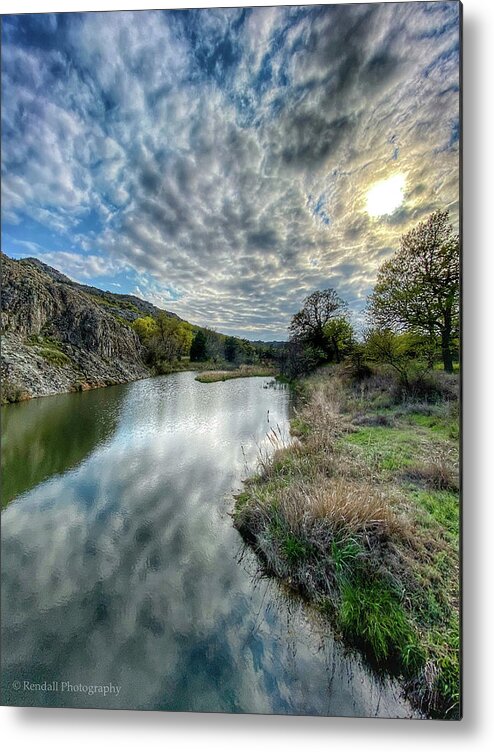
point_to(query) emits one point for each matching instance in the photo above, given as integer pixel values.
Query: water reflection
(126, 570)
(48, 436)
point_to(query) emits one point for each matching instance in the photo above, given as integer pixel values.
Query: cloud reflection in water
(126, 569)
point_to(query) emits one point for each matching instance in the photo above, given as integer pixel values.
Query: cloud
(226, 154)
(82, 267)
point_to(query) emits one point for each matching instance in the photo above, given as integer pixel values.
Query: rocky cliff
(60, 336)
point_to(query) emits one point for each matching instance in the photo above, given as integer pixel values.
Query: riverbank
(361, 516)
(209, 377)
(62, 379)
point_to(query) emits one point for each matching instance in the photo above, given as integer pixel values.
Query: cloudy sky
(225, 163)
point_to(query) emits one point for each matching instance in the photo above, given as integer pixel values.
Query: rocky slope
(60, 336)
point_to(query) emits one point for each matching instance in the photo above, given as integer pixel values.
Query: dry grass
(438, 474)
(373, 544)
(318, 492)
(209, 377)
(354, 507)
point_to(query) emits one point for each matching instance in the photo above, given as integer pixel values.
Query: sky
(226, 163)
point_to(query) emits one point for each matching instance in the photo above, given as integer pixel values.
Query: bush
(54, 356)
(430, 387)
(298, 359)
(355, 367)
(436, 475)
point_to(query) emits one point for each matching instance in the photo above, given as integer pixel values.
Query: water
(122, 569)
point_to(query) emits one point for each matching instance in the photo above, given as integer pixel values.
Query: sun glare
(386, 196)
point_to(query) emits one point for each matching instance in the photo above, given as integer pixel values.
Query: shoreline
(87, 386)
(210, 377)
(360, 517)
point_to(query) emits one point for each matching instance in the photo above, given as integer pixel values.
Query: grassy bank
(208, 377)
(361, 516)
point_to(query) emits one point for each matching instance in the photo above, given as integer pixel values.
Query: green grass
(344, 554)
(443, 507)
(390, 589)
(386, 448)
(295, 549)
(299, 427)
(54, 356)
(50, 350)
(114, 304)
(445, 426)
(438, 366)
(372, 615)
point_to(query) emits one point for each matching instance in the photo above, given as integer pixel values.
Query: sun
(386, 196)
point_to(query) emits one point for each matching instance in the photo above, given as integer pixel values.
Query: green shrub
(54, 356)
(10, 392)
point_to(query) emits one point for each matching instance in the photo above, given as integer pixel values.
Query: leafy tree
(266, 353)
(198, 348)
(231, 349)
(247, 353)
(319, 309)
(298, 359)
(339, 336)
(145, 328)
(173, 337)
(186, 336)
(164, 325)
(164, 337)
(400, 351)
(214, 345)
(418, 289)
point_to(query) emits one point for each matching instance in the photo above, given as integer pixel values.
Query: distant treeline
(168, 340)
(412, 320)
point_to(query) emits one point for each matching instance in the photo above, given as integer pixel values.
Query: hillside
(60, 336)
(128, 307)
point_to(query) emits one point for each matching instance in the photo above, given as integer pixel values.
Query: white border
(84, 730)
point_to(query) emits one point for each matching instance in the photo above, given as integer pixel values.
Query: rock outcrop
(60, 336)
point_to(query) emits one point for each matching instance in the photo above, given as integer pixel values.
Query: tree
(230, 349)
(198, 348)
(163, 326)
(319, 309)
(145, 328)
(185, 334)
(214, 344)
(297, 359)
(164, 337)
(172, 339)
(400, 351)
(339, 337)
(418, 289)
(246, 352)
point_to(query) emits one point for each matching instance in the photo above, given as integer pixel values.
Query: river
(121, 567)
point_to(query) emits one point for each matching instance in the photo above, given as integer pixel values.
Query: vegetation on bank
(171, 344)
(412, 316)
(244, 371)
(49, 349)
(10, 392)
(361, 516)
